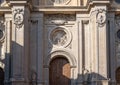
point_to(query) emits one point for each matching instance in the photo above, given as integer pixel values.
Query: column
(112, 59)
(80, 50)
(8, 24)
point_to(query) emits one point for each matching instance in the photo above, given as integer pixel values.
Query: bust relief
(60, 37)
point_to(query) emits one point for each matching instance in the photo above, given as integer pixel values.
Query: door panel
(118, 75)
(59, 73)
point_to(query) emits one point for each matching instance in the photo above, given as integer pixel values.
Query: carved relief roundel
(59, 1)
(60, 37)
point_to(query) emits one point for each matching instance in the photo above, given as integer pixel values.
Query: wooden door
(118, 75)
(1, 76)
(59, 72)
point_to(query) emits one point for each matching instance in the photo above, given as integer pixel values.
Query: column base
(103, 82)
(18, 81)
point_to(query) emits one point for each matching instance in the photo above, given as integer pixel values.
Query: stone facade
(33, 33)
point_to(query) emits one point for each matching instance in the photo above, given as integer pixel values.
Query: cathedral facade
(55, 42)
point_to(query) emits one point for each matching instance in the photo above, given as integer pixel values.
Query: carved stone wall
(62, 2)
(117, 39)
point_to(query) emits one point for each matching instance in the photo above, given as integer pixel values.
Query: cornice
(71, 8)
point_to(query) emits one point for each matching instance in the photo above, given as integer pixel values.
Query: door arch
(118, 75)
(59, 71)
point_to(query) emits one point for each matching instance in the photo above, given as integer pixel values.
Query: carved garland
(18, 17)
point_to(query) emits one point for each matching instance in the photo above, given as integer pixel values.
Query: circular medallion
(60, 37)
(60, 1)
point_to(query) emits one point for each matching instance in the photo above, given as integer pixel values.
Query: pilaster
(112, 60)
(100, 40)
(37, 19)
(8, 24)
(20, 43)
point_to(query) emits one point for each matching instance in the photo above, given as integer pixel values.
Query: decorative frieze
(60, 1)
(18, 17)
(59, 19)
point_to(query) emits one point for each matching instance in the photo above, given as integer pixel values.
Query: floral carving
(101, 17)
(18, 17)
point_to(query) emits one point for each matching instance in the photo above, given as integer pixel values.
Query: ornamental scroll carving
(59, 19)
(101, 17)
(18, 17)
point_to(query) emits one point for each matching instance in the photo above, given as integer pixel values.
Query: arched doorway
(1, 76)
(118, 75)
(59, 71)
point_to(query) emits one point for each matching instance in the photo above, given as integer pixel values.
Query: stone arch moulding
(65, 53)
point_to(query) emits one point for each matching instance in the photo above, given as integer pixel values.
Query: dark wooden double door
(59, 71)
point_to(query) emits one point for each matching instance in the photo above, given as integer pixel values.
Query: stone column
(80, 50)
(20, 43)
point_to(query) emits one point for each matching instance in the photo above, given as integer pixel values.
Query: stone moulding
(63, 52)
